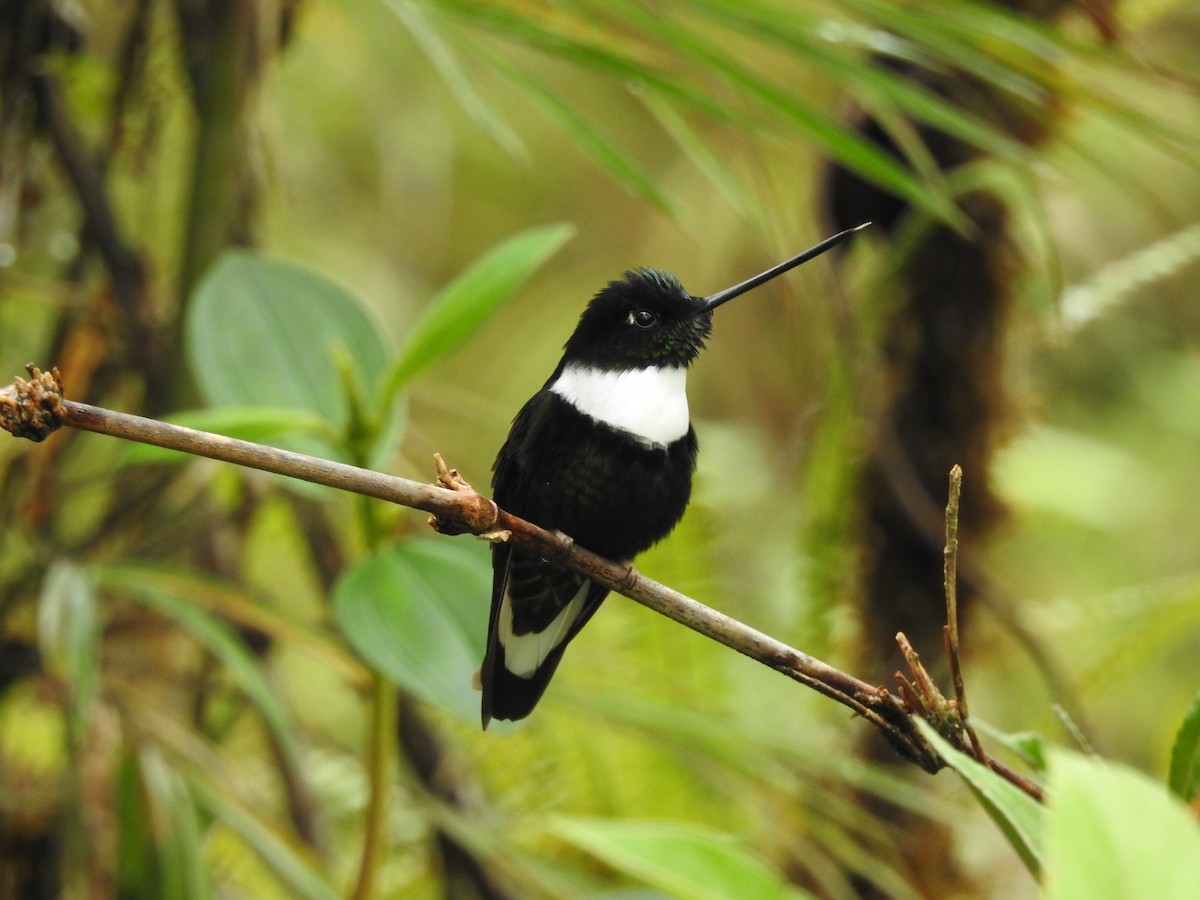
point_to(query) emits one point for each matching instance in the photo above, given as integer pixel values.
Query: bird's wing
(537, 607)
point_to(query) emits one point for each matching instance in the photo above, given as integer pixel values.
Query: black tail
(539, 593)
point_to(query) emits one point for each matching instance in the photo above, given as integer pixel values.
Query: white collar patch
(651, 404)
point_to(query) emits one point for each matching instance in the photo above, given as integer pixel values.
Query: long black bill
(715, 300)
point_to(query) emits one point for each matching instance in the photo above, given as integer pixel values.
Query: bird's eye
(642, 318)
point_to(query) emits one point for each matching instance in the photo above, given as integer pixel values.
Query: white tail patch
(524, 654)
(651, 404)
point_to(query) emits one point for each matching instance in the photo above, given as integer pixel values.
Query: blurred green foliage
(332, 227)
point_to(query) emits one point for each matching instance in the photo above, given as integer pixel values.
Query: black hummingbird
(603, 453)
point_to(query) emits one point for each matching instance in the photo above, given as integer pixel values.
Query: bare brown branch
(34, 408)
(950, 586)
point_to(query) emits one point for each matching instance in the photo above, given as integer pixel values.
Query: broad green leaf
(1184, 778)
(265, 333)
(468, 301)
(218, 638)
(417, 612)
(1019, 816)
(1112, 833)
(682, 860)
(248, 423)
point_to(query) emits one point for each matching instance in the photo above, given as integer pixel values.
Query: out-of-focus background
(255, 215)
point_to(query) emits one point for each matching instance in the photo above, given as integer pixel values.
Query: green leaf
(69, 637)
(239, 607)
(217, 637)
(705, 157)
(1184, 778)
(293, 863)
(815, 39)
(134, 863)
(265, 333)
(468, 301)
(417, 612)
(1112, 832)
(780, 104)
(1019, 816)
(1029, 745)
(247, 423)
(594, 51)
(443, 58)
(589, 138)
(682, 860)
(957, 42)
(174, 830)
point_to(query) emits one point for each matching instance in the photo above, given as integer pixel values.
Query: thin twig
(922, 698)
(32, 409)
(950, 586)
(922, 510)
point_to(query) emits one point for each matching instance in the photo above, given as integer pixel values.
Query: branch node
(33, 409)
(473, 520)
(450, 478)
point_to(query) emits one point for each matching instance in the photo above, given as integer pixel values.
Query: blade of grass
(807, 37)
(705, 157)
(289, 862)
(442, 56)
(822, 129)
(238, 606)
(219, 639)
(590, 139)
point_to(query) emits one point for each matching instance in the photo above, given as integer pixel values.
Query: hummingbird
(604, 453)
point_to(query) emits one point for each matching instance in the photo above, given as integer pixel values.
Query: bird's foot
(629, 579)
(563, 550)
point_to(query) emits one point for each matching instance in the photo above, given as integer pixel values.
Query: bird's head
(643, 319)
(646, 318)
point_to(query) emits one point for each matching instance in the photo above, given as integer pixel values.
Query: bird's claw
(629, 579)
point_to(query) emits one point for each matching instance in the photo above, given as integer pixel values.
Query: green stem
(382, 749)
(380, 754)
